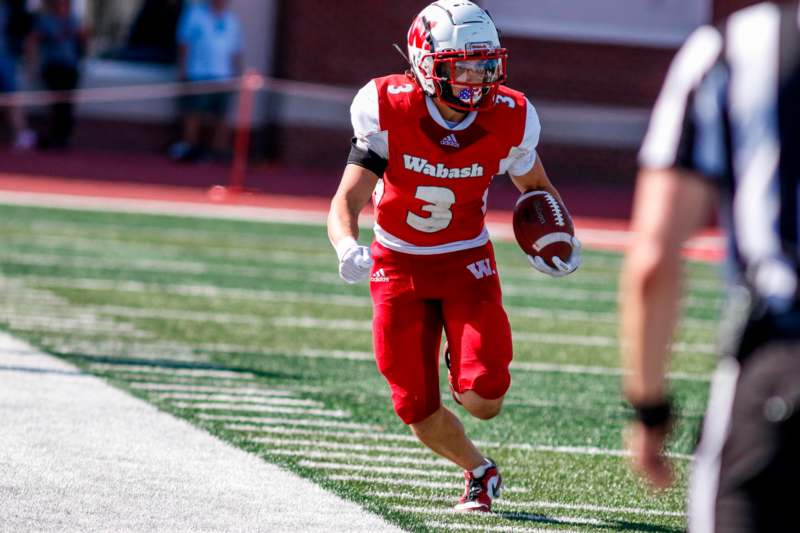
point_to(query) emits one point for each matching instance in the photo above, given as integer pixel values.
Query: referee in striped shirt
(725, 132)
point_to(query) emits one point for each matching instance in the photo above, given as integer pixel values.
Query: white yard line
(306, 422)
(317, 443)
(284, 430)
(569, 450)
(524, 517)
(236, 400)
(178, 371)
(357, 457)
(395, 481)
(254, 391)
(447, 526)
(249, 408)
(262, 295)
(163, 350)
(502, 231)
(571, 290)
(394, 470)
(166, 474)
(506, 505)
(309, 322)
(569, 293)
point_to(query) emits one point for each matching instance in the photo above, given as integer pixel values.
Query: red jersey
(432, 196)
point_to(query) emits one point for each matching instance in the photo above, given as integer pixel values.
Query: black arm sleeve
(367, 159)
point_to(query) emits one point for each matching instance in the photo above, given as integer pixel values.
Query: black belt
(769, 327)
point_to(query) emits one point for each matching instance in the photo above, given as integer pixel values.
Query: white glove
(354, 261)
(562, 268)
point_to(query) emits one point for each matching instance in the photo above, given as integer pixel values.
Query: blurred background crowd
(592, 69)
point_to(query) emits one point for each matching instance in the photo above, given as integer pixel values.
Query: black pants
(62, 121)
(747, 468)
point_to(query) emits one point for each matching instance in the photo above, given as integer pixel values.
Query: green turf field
(245, 330)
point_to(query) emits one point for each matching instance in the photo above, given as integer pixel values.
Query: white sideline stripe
(406, 482)
(180, 371)
(284, 430)
(530, 517)
(447, 526)
(166, 474)
(512, 505)
(226, 398)
(204, 388)
(209, 406)
(310, 422)
(356, 457)
(294, 443)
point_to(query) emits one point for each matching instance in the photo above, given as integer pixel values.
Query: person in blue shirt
(209, 48)
(57, 44)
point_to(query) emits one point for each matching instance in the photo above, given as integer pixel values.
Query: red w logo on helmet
(419, 34)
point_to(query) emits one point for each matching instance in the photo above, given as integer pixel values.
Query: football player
(427, 144)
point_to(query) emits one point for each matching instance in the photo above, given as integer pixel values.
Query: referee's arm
(670, 205)
(672, 201)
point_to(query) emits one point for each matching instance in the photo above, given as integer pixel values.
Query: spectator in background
(56, 45)
(24, 138)
(209, 48)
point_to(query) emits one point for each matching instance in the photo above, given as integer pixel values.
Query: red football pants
(414, 298)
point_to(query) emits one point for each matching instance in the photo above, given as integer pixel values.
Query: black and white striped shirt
(730, 110)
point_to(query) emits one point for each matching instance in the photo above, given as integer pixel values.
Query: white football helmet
(455, 54)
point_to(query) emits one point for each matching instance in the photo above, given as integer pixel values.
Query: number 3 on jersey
(399, 89)
(439, 200)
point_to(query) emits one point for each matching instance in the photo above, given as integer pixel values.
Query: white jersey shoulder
(521, 158)
(365, 117)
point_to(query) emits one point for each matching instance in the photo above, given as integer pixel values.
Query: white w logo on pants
(481, 268)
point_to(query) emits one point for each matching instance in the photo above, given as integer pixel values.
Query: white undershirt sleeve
(365, 118)
(521, 158)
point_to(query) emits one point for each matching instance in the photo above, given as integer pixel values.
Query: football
(543, 227)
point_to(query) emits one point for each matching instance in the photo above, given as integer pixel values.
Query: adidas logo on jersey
(379, 276)
(418, 164)
(450, 141)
